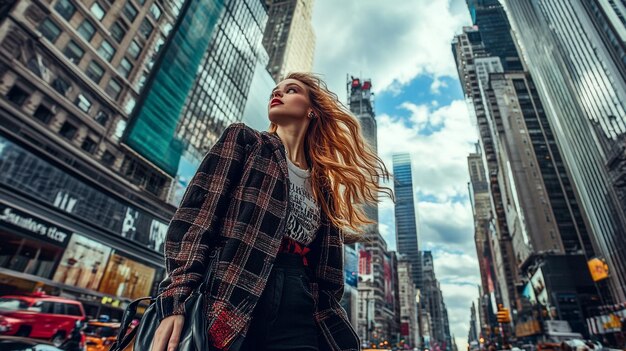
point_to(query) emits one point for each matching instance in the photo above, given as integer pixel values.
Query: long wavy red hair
(342, 163)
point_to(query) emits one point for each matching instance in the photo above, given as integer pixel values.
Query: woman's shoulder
(250, 136)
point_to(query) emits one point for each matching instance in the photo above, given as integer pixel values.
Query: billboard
(365, 265)
(83, 263)
(127, 278)
(351, 265)
(598, 268)
(151, 131)
(388, 281)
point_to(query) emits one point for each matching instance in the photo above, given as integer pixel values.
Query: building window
(108, 158)
(102, 118)
(68, 130)
(43, 114)
(125, 67)
(146, 28)
(106, 50)
(134, 49)
(97, 11)
(155, 11)
(61, 85)
(83, 103)
(49, 30)
(118, 32)
(113, 89)
(17, 95)
(65, 8)
(73, 52)
(95, 71)
(86, 30)
(129, 11)
(89, 145)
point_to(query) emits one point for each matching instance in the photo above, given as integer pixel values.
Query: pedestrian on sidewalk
(273, 211)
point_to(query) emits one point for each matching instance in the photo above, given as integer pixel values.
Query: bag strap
(127, 318)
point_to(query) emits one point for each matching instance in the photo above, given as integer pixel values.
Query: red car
(39, 316)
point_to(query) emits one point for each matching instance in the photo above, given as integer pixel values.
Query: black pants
(283, 317)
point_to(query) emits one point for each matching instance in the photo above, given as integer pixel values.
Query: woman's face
(289, 102)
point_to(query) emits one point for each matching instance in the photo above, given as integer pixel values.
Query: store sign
(34, 227)
(598, 268)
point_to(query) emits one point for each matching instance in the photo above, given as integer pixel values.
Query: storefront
(61, 235)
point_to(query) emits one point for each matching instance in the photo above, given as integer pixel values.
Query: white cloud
(392, 44)
(440, 176)
(385, 42)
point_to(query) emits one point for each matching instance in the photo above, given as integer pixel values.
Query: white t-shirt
(303, 219)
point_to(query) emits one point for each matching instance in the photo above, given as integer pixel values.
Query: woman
(273, 209)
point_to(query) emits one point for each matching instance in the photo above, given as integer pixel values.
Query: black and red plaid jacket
(238, 201)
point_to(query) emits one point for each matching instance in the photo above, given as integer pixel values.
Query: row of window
(68, 130)
(67, 10)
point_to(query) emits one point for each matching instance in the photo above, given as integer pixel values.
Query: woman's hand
(167, 335)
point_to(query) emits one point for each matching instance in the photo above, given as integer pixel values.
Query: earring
(311, 115)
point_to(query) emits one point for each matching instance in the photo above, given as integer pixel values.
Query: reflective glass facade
(405, 215)
(218, 95)
(151, 131)
(573, 78)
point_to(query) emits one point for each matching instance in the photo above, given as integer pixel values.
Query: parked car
(100, 335)
(18, 343)
(39, 316)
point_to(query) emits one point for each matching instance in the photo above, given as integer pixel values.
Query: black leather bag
(194, 334)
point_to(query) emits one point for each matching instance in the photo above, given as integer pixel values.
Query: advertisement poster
(539, 286)
(83, 263)
(365, 265)
(388, 282)
(351, 265)
(127, 278)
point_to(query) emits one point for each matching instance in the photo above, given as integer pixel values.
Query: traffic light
(503, 315)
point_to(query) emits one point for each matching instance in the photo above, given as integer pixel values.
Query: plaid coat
(237, 202)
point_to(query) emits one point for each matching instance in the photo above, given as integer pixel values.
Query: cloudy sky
(404, 47)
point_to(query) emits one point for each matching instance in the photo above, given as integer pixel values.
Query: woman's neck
(293, 140)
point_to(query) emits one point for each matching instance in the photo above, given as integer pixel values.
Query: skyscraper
(433, 303)
(584, 97)
(405, 213)
(289, 38)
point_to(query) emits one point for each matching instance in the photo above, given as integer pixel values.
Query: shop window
(43, 114)
(68, 130)
(73, 52)
(83, 103)
(95, 71)
(97, 11)
(28, 256)
(86, 30)
(65, 8)
(118, 32)
(49, 30)
(17, 95)
(89, 145)
(106, 50)
(129, 11)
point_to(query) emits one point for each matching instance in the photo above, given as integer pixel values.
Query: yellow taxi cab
(101, 334)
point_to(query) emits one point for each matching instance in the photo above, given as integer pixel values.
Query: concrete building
(82, 85)
(289, 38)
(433, 303)
(409, 328)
